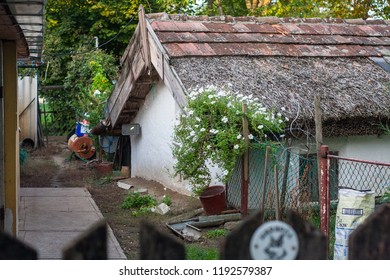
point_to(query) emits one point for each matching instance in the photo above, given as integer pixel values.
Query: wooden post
(13, 249)
(144, 37)
(245, 164)
(156, 245)
(277, 207)
(91, 245)
(285, 177)
(11, 138)
(370, 240)
(265, 179)
(319, 140)
(311, 241)
(324, 194)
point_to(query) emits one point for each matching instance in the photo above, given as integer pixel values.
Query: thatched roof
(283, 61)
(349, 88)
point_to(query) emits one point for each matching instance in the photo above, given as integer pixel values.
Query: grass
(315, 220)
(196, 252)
(216, 233)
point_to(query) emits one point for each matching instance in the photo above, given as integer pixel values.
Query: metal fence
(293, 177)
(360, 174)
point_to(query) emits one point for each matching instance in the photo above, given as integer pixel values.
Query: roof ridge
(264, 20)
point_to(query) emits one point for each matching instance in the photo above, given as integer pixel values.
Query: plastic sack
(353, 208)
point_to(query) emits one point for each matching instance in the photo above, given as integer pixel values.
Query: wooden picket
(370, 241)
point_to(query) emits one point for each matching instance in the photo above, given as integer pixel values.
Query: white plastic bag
(353, 208)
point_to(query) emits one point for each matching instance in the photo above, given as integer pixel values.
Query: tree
(71, 32)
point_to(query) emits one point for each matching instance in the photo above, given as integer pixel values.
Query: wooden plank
(172, 80)
(137, 68)
(91, 245)
(144, 36)
(245, 162)
(370, 240)
(312, 243)
(156, 245)
(156, 57)
(225, 217)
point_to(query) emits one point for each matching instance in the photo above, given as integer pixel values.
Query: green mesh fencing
(297, 179)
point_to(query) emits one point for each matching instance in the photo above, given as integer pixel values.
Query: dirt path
(49, 167)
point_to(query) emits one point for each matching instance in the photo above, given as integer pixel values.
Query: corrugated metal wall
(27, 108)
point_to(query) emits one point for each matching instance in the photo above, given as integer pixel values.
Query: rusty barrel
(83, 146)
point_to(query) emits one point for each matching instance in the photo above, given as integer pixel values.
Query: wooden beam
(144, 37)
(11, 138)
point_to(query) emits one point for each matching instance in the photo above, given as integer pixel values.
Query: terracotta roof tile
(250, 36)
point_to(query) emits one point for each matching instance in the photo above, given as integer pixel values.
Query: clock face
(274, 240)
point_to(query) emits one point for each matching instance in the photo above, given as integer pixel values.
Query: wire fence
(293, 176)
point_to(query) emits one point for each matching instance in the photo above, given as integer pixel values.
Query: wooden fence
(370, 241)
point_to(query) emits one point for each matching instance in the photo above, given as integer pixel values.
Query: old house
(283, 61)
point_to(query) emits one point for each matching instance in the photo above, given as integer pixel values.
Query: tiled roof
(185, 36)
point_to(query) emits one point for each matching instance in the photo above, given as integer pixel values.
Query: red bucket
(213, 200)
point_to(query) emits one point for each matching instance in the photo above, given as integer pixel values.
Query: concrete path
(50, 218)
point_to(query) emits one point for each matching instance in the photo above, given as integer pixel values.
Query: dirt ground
(53, 166)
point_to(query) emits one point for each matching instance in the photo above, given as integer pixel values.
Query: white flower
(96, 92)
(212, 102)
(229, 104)
(191, 112)
(279, 114)
(250, 136)
(260, 126)
(214, 131)
(240, 95)
(283, 109)
(202, 129)
(210, 96)
(197, 119)
(208, 147)
(225, 119)
(280, 121)
(239, 136)
(236, 146)
(196, 126)
(192, 133)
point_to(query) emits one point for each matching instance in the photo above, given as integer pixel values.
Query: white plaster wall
(370, 148)
(151, 155)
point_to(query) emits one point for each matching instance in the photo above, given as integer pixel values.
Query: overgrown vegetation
(386, 196)
(196, 252)
(216, 233)
(139, 204)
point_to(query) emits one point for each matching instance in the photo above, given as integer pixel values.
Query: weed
(195, 252)
(386, 196)
(215, 233)
(167, 200)
(136, 200)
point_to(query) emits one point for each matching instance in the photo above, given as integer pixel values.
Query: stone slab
(61, 192)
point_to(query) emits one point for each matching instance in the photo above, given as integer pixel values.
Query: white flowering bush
(210, 132)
